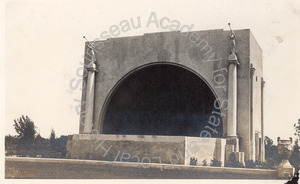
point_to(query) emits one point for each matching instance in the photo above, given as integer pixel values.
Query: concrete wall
(128, 148)
(145, 149)
(205, 149)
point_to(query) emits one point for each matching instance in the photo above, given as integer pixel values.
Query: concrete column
(88, 124)
(90, 89)
(252, 141)
(257, 151)
(232, 96)
(262, 121)
(228, 150)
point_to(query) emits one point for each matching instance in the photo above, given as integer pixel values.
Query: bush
(215, 163)
(204, 163)
(294, 159)
(269, 164)
(193, 161)
(232, 162)
(250, 164)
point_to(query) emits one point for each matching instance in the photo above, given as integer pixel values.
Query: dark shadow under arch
(161, 99)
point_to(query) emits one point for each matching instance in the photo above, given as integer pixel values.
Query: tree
(294, 159)
(271, 150)
(30, 143)
(11, 143)
(58, 146)
(297, 129)
(268, 141)
(52, 139)
(24, 126)
(41, 146)
(272, 156)
(62, 144)
(53, 149)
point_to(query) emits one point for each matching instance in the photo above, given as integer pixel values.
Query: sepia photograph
(150, 91)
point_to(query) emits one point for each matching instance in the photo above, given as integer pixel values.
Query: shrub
(294, 159)
(193, 161)
(232, 162)
(269, 164)
(250, 164)
(215, 163)
(204, 163)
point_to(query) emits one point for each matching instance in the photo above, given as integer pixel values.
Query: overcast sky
(44, 46)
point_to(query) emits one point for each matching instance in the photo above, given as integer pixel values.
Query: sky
(44, 45)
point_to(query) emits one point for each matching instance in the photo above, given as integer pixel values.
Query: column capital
(232, 59)
(91, 67)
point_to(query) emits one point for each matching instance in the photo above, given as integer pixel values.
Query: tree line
(29, 143)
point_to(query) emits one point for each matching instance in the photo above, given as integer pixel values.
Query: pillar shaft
(232, 98)
(262, 122)
(89, 106)
(252, 133)
(88, 124)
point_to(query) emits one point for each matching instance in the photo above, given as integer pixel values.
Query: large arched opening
(161, 99)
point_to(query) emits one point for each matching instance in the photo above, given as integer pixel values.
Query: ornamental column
(232, 89)
(252, 134)
(262, 159)
(89, 107)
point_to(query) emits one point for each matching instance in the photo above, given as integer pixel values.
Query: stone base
(228, 150)
(145, 149)
(204, 149)
(240, 157)
(285, 170)
(233, 141)
(232, 146)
